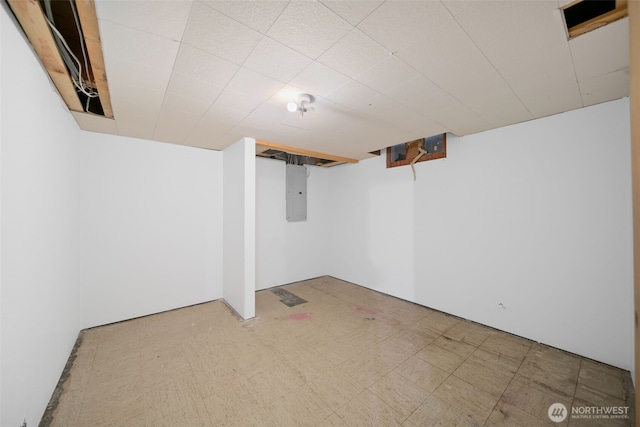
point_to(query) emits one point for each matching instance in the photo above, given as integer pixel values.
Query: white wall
(535, 216)
(39, 237)
(289, 251)
(239, 224)
(151, 220)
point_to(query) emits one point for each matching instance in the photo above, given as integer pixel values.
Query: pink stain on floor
(301, 316)
(365, 310)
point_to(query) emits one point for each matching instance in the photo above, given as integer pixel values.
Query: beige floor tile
(471, 400)
(437, 321)
(505, 415)
(367, 409)
(175, 402)
(586, 397)
(469, 332)
(483, 378)
(424, 375)
(336, 388)
(349, 356)
(369, 366)
(332, 420)
(402, 395)
(273, 383)
(495, 361)
(116, 404)
(302, 407)
(437, 412)
(460, 348)
(507, 345)
(553, 361)
(69, 404)
(440, 357)
(530, 397)
(309, 365)
(409, 341)
(241, 410)
(598, 376)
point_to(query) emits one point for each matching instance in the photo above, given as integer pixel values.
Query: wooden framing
(619, 12)
(412, 151)
(31, 18)
(634, 91)
(89, 22)
(262, 146)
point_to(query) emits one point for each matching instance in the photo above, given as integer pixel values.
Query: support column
(239, 227)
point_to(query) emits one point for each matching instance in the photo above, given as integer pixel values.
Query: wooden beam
(600, 21)
(31, 18)
(634, 96)
(303, 152)
(91, 31)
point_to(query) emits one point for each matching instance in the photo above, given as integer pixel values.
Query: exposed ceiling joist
(263, 146)
(34, 24)
(89, 20)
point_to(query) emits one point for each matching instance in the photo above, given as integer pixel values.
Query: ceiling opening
(583, 16)
(66, 38)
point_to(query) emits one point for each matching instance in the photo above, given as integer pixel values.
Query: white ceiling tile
(256, 14)
(420, 94)
(460, 119)
(499, 106)
(319, 79)
(163, 18)
(95, 123)
(601, 51)
(195, 89)
(276, 60)
(606, 87)
(136, 110)
(308, 27)
(216, 122)
(354, 54)
(456, 7)
(174, 125)
(254, 84)
(466, 76)
(546, 95)
(533, 32)
(204, 66)
(398, 25)
(220, 35)
(136, 74)
(352, 11)
(138, 47)
(387, 75)
(182, 103)
(237, 101)
(351, 94)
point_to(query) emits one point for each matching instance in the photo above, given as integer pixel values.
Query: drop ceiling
(206, 73)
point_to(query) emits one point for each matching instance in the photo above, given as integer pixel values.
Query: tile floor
(347, 357)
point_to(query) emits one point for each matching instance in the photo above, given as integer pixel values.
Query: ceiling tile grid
(202, 72)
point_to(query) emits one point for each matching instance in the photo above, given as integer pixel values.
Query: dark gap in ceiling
(71, 45)
(586, 10)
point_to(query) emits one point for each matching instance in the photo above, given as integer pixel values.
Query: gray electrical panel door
(296, 193)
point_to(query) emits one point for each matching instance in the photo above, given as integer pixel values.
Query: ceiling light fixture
(300, 104)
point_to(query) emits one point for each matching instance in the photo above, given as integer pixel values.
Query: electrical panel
(296, 193)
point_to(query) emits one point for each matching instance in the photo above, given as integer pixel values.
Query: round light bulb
(292, 107)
